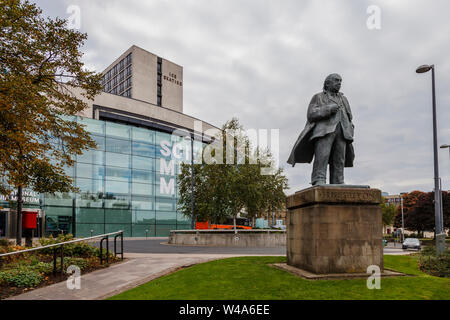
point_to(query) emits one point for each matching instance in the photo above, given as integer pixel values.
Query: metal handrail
(62, 244)
(59, 244)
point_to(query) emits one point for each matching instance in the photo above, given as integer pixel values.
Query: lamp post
(440, 236)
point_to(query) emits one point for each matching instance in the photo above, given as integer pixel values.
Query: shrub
(4, 243)
(430, 263)
(79, 262)
(111, 253)
(79, 249)
(43, 267)
(52, 240)
(22, 278)
(3, 250)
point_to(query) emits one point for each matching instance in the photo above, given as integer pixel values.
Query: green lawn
(251, 278)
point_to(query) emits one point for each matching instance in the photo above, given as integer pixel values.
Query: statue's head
(333, 83)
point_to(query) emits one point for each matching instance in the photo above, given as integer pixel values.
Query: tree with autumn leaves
(40, 65)
(418, 211)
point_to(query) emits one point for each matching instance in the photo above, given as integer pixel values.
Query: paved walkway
(137, 269)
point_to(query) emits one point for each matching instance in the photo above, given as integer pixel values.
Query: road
(396, 249)
(160, 246)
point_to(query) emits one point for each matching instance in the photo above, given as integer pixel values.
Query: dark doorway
(3, 223)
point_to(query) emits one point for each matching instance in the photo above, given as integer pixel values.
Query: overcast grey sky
(262, 61)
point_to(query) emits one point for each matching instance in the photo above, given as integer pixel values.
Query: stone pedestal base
(334, 229)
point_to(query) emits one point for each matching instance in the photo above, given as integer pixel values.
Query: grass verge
(252, 278)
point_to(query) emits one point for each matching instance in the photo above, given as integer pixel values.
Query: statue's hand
(333, 108)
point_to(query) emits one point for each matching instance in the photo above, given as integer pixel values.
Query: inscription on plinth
(334, 230)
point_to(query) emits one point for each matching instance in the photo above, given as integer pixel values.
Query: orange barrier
(205, 226)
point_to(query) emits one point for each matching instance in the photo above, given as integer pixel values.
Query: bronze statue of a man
(328, 135)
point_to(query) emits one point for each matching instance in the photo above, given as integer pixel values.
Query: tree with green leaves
(389, 212)
(225, 189)
(41, 64)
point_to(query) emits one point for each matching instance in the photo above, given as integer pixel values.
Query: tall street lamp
(440, 236)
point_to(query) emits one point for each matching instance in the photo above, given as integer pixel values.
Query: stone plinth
(335, 229)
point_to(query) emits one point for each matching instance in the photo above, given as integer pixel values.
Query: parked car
(412, 243)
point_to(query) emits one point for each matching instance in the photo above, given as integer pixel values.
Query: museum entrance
(3, 223)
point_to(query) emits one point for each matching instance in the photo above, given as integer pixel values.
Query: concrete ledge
(335, 276)
(228, 238)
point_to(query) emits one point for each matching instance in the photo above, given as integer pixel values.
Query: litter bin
(29, 220)
(29, 224)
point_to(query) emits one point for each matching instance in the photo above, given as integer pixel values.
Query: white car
(411, 243)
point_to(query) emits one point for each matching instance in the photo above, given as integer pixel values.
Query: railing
(104, 237)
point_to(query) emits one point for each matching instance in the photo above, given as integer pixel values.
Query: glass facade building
(128, 183)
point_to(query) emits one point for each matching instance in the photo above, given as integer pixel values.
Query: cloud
(262, 61)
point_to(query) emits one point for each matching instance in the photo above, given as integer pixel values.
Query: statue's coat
(321, 122)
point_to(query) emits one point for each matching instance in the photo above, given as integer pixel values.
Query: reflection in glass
(166, 218)
(143, 230)
(116, 187)
(166, 204)
(118, 130)
(142, 203)
(88, 200)
(90, 229)
(90, 185)
(90, 215)
(118, 146)
(142, 189)
(117, 160)
(100, 140)
(117, 202)
(144, 150)
(58, 211)
(114, 227)
(90, 171)
(181, 218)
(118, 174)
(143, 163)
(117, 216)
(93, 126)
(92, 156)
(144, 217)
(58, 199)
(143, 135)
(141, 176)
(162, 137)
